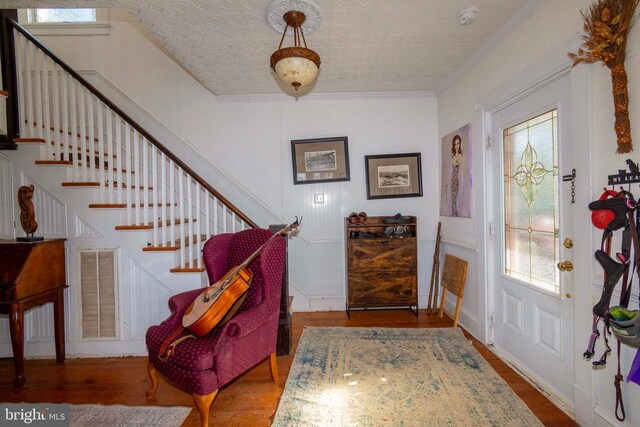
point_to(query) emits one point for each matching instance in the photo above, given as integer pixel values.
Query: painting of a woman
(456, 174)
(456, 162)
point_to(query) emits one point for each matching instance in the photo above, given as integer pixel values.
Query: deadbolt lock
(568, 243)
(565, 266)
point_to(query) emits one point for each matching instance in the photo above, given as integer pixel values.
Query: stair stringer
(132, 263)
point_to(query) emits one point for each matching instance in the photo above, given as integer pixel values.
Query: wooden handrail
(132, 122)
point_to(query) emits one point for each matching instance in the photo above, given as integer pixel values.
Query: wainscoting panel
(148, 299)
(51, 212)
(6, 199)
(316, 272)
(39, 324)
(84, 230)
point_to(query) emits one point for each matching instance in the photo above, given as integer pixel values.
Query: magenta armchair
(201, 366)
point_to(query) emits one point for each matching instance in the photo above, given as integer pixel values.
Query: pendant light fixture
(296, 66)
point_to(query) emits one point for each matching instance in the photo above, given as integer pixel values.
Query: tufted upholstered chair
(201, 366)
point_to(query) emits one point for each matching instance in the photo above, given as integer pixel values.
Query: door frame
(543, 72)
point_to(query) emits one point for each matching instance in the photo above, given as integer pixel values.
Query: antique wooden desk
(31, 274)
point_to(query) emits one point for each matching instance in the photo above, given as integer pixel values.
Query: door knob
(565, 266)
(568, 243)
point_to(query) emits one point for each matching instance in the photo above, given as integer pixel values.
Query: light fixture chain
(303, 39)
(284, 33)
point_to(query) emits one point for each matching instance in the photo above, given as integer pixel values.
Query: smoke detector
(468, 16)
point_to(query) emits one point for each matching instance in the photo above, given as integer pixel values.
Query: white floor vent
(99, 314)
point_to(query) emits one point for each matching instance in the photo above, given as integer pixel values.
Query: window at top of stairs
(65, 22)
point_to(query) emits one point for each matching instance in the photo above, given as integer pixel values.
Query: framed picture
(455, 193)
(320, 160)
(393, 175)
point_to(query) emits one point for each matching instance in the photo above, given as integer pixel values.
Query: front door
(530, 226)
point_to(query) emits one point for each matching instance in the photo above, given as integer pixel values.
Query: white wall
(552, 27)
(248, 140)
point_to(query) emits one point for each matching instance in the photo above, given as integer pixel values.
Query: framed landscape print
(393, 175)
(320, 160)
(455, 199)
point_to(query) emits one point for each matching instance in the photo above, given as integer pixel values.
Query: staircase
(75, 127)
(120, 183)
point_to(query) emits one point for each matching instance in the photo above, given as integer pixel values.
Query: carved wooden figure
(27, 214)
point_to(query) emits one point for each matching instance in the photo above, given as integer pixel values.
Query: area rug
(395, 377)
(125, 416)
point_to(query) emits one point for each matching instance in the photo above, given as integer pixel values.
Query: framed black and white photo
(393, 175)
(320, 160)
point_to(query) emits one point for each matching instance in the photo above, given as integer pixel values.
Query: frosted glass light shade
(295, 66)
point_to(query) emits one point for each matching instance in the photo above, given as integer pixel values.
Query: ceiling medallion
(298, 65)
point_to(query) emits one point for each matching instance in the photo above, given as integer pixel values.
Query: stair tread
(188, 269)
(97, 184)
(124, 205)
(28, 140)
(150, 225)
(54, 162)
(168, 247)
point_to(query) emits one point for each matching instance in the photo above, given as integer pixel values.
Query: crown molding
(522, 14)
(282, 97)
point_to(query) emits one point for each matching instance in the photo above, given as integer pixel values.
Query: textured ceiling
(364, 45)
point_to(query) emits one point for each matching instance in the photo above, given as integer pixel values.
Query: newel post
(9, 81)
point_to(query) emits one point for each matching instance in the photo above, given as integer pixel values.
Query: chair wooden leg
(203, 402)
(457, 314)
(273, 367)
(153, 376)
(444, 293)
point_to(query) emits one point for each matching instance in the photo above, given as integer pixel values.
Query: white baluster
(181, 219)
(207, 230)
(154, 183)
(22, 80)
(197, 243)
(234, 222)
(215, 217)
(128, 153)
(65, 120)
(76, 155)
(145, 179)
(91, 140)
(109, 160)
(163, 196)
(55, 95)
(172, 199)
(136, 185)
(101, 150)
(85, 154)
(189, 235)
(38, 103)
(225, 214)
(29, 70)
(118, 159)
(46, 109)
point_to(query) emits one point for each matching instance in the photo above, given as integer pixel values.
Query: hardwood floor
(251, 400)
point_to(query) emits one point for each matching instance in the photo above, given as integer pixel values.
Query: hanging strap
(620, 414)
(625, 292)
(169, 345)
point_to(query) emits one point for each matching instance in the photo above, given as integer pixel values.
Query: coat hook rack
(624, 177)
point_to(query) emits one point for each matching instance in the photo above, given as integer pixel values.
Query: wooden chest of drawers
(381, 264)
